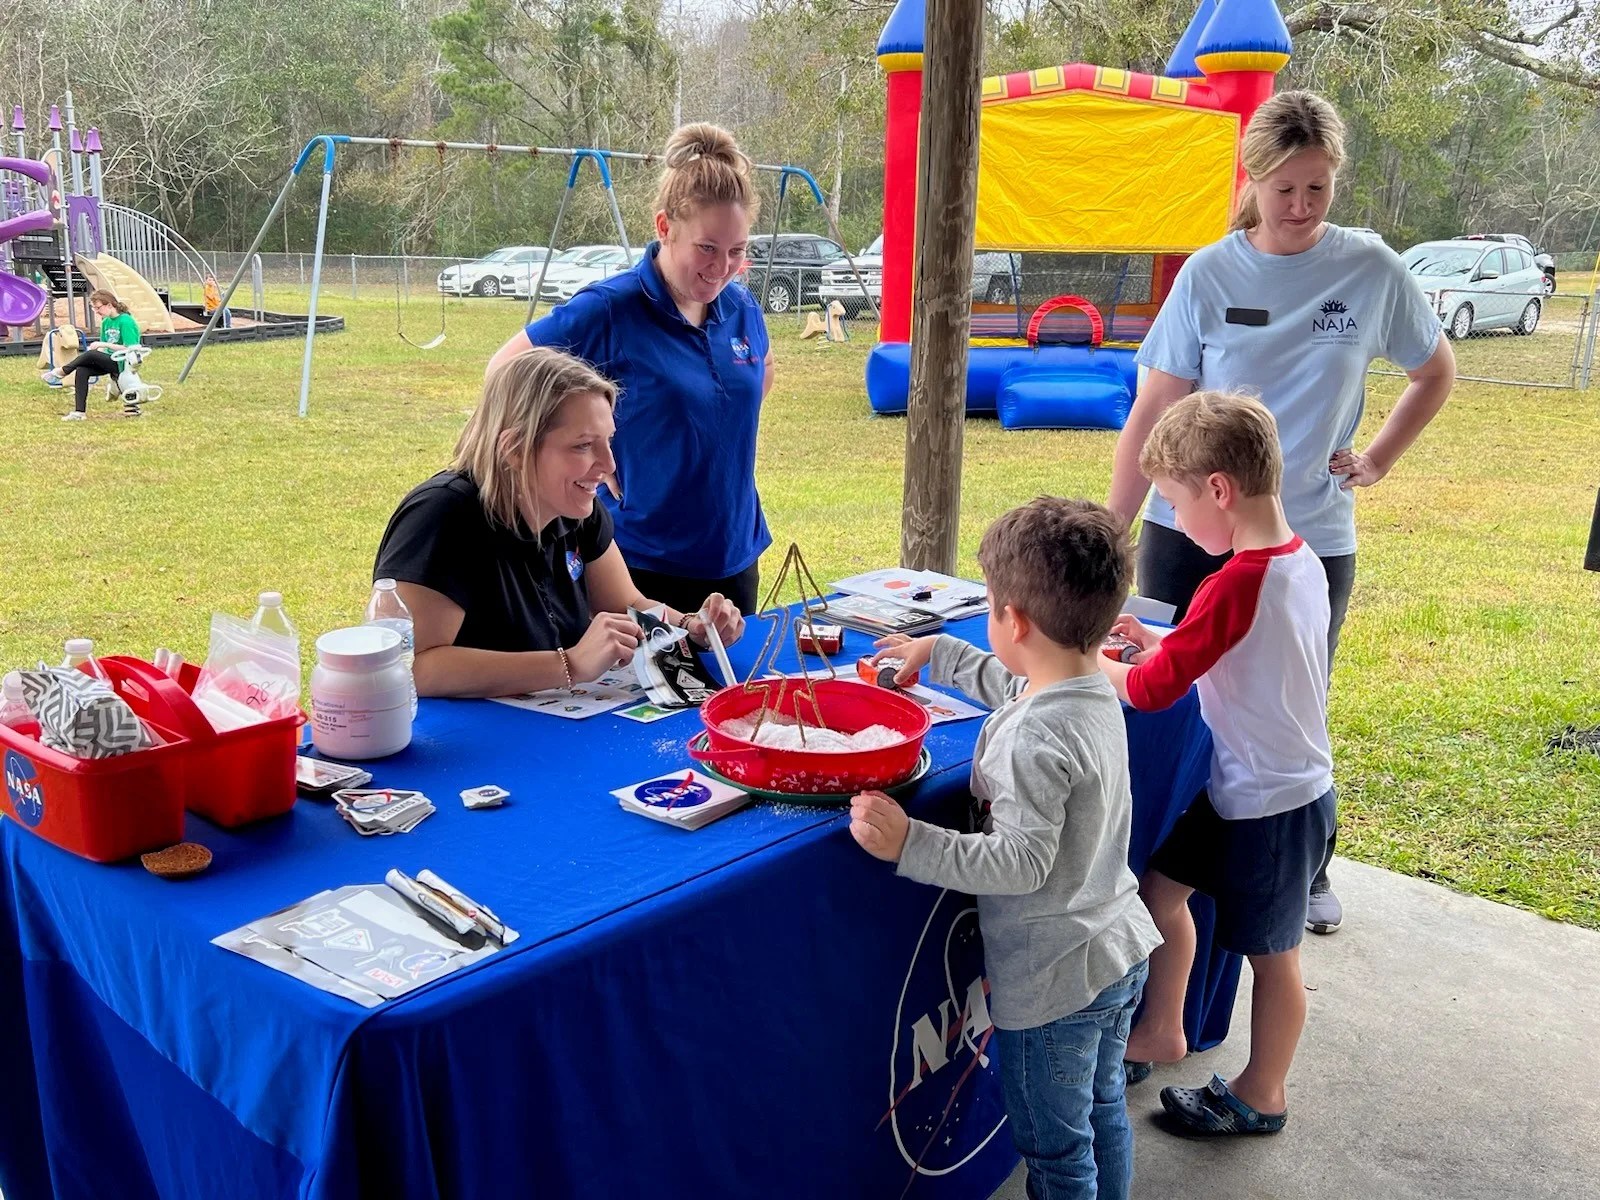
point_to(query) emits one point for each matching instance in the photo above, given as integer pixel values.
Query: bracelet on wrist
(566, 665)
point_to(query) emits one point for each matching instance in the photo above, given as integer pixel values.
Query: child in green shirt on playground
(117, 329)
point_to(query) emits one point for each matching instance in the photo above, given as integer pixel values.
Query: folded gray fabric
(80, 715)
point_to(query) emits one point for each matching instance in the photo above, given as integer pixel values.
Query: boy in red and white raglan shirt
(1255, 644)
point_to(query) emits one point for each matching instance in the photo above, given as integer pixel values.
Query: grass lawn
(1471, 635)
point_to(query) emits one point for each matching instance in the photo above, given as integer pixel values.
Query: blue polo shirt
(687, 413)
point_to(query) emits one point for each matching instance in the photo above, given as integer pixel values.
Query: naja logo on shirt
(1335, 324)
(741, 350)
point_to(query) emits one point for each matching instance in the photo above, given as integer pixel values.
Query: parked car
(559, 287)
(520, 280)
(1547, 262)
(797, 260)
(483, 277)
(993, 279)
(1479, 284)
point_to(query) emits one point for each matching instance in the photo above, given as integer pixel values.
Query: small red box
(104, 809)
(882, 674)
(821, 639)
(231, 778)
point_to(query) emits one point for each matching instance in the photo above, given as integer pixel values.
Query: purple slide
(22, 300)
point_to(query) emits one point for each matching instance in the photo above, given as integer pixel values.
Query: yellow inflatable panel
(104, 271)
(1087, 172)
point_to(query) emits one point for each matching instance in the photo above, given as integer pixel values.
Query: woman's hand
(1359, 470)
(609, 640)
(917, 652)
(721, 614)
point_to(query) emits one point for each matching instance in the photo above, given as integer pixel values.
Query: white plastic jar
(360, 693)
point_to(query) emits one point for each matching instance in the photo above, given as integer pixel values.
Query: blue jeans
(1065, 1095)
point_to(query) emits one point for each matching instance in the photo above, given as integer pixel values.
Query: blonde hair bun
(705, 168)
(702, 140)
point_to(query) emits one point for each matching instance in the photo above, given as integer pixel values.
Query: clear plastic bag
(250, 675)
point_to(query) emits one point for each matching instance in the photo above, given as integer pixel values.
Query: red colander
(843, 705)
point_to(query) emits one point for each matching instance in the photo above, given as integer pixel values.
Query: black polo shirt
(518, 591)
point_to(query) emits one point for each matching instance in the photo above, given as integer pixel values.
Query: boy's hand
(917, 652)
(879, 825)
(1137, 632)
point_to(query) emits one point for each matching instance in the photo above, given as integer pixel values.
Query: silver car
(1477, 286)
(994, 276)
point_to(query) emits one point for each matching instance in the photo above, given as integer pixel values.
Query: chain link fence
(1518, 335)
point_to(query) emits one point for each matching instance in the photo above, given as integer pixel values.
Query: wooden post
(947, 195)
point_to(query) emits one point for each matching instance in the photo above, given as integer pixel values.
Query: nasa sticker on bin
(24, 788)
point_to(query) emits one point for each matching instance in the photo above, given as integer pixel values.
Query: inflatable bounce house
(1094, 184)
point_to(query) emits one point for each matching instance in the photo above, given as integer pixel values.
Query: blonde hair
(1281, 128)
(106, 296)
(524, 396)
(1209, 432)
(705, 168)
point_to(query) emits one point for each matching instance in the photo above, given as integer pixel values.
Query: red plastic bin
(104, 809)
(232, 778)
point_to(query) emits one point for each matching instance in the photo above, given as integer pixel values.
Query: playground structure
(1075, 161)
(328, 144)
(56, 248)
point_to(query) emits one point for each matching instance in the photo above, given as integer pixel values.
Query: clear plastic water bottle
(272, 617)
(388, 610)
(80, 651)
(13, 708)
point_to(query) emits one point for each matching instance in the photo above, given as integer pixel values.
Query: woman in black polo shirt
(506, 561)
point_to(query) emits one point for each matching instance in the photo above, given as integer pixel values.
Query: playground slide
(104, 271)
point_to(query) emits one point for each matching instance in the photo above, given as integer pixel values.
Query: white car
(483, 277)
(1477, 285)
(520, 281)
(559, 287)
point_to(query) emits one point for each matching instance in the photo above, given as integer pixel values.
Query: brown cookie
(183, 861)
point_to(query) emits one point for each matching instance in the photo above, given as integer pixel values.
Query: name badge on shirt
(574, 565)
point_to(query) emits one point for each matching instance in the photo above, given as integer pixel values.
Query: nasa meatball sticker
(689, 790)
(24, 789)
(944, 1098)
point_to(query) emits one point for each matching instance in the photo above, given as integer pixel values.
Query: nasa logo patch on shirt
(574, 565)
(741, 349)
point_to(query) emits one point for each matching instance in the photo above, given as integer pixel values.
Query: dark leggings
(687, 595)
(1171, 568)
(90, 362)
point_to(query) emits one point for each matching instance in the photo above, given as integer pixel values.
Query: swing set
(577, 156)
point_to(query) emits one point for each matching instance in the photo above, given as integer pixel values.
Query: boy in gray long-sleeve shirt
(1066, 937)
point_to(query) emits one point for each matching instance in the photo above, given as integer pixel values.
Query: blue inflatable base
(1051, 387)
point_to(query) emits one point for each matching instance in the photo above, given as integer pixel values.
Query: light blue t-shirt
(1330, 310)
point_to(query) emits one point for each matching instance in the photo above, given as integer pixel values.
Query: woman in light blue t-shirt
(1293, 310)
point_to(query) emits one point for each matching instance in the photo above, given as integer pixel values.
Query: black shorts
(1258, 871)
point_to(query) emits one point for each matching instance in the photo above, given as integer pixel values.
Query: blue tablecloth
(757, 1008)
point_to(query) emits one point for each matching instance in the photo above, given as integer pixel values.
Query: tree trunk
(941, 321)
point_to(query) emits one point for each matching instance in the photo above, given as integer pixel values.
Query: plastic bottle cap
(384, 585)
(11, 686)
(359, 648)
(270, 599)
(79, 646)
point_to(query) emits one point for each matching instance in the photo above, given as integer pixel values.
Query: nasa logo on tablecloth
(939, 1115)
(22, 785)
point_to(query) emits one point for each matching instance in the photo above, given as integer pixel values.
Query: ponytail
(107, 296)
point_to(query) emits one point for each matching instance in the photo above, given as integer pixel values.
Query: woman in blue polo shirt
(688, 350)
